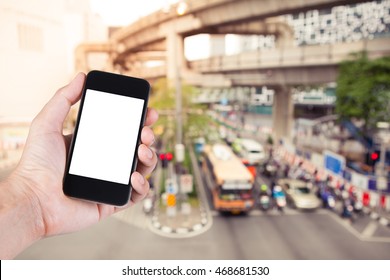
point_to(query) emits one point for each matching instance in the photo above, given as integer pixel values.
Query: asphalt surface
(294, 235)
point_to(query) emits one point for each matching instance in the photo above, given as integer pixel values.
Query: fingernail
(141, 179)
(149, 153)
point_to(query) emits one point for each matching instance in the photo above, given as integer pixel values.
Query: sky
(124, 12)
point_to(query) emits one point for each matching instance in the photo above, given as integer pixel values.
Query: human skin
(32, 203)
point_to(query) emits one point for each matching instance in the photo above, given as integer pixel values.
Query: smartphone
(103, 151)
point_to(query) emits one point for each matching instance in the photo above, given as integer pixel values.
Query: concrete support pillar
(217, 44)
(175, 68)
(282, 113)
(175, 55)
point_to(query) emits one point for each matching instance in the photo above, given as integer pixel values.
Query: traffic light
(169, 156)
(164, 161)
(165, 158)
(372, 158)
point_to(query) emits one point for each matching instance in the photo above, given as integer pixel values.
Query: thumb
(52, 116)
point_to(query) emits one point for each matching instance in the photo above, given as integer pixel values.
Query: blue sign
(372, 184)
(334, 163)
(347, 175)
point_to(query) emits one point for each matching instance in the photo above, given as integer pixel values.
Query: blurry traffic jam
(243, 175)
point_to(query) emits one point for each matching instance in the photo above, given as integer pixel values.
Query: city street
(264, 110)
(293, 235)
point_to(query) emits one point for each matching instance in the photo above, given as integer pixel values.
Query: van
(250, 150)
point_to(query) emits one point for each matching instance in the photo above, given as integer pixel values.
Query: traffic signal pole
(381, 170)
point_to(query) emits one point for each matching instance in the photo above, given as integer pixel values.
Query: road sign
(171, 186)
(171, 200)
(334, 163)
(186, 183)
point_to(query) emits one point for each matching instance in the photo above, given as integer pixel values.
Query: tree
(363, 90)
(163, 98)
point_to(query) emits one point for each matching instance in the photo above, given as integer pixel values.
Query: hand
(41, 168)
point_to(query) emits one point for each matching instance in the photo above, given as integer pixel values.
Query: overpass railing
(312, 55)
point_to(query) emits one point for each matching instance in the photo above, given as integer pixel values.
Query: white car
(299, 195)
(250, 150)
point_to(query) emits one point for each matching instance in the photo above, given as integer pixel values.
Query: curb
(167, 231)
(196, 229)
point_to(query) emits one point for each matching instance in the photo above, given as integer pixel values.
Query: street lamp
(380, 169)
(181, 9)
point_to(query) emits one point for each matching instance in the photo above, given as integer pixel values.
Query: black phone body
(103, 151)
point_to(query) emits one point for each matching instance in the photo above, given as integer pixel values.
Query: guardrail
(314, 55)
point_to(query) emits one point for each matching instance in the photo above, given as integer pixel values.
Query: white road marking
(358, 235)
(370, 229)
(383, 221)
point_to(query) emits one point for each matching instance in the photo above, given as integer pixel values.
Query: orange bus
(231, 182)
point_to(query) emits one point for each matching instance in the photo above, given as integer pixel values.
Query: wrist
(20, 216)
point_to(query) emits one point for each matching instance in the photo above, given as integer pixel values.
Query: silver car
(299, 194)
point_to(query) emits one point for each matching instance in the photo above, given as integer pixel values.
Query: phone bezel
(96, 190)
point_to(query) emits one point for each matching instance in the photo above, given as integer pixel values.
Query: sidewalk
(197, 221)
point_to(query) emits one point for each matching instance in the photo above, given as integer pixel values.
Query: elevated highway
(165, 29)
(161, 36)
(304, 65)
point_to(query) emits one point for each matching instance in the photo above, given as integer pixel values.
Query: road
(293, 235)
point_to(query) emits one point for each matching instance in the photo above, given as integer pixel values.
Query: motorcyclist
(279, 197)
(264, 197)
(347, 210)
(278, 192)
(263, 189)
(327, 198)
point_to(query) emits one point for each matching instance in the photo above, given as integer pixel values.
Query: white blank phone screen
(107, 137)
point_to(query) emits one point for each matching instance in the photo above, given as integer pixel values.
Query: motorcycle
(279, 198)
(358, 207)
(347, 211)
(265, 202)
(331, 202)
(328, 200)
(269, 169)
(280, 202)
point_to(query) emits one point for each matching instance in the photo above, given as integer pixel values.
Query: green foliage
(163, 95)
(163, 98)
(363, 90)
